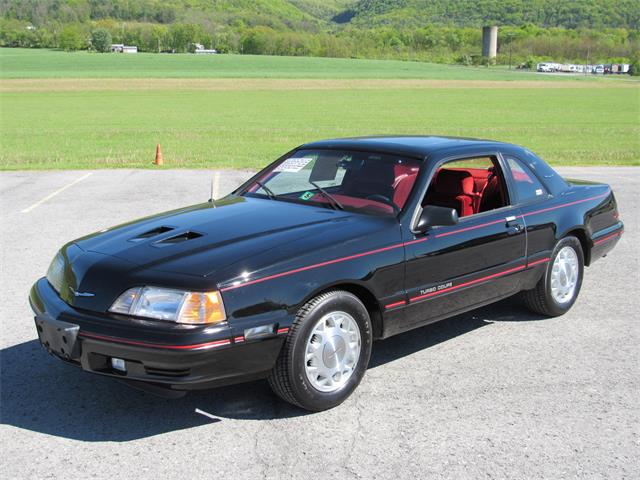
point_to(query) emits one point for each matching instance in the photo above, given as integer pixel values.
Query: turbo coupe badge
(436, 289)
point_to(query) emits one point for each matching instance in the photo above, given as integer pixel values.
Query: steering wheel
(376, 197)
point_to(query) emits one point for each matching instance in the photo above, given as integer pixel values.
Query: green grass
(594, 124)
(250, 128)
(39, 63)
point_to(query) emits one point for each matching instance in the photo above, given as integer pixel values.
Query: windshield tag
(306, 195)
(293, 165)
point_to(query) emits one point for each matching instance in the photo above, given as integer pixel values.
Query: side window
(471, 186)
(527, 185)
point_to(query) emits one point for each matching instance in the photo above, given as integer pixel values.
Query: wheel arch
(585, 243)
(363, 294)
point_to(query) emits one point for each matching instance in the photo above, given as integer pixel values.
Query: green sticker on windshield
(307, 195)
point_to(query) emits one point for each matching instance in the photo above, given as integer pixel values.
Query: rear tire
(558, 289)
(326, 352)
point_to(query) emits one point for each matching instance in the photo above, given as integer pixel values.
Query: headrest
(454, 182)
(372, 171)
(404, 169)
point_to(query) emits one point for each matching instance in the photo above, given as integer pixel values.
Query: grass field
(53, 116)
(36, 63)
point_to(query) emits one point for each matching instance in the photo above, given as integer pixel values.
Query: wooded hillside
(443, 31)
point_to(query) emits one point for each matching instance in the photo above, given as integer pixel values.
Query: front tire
(326, 352)
(558, 289)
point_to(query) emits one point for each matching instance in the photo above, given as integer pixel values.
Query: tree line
(295, 13)
(160, 26)
(545, 13)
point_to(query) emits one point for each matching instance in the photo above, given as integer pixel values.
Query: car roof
(414, 146)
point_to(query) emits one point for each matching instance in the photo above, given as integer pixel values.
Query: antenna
(211, 199)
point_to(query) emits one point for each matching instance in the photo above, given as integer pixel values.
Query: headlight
(174, 305)
(55, 274)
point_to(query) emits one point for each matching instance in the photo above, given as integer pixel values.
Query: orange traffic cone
(159, 160)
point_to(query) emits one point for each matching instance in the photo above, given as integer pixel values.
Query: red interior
(405, 177)
(520, 176)
(468, 190)
(393, 182)
(355, 202)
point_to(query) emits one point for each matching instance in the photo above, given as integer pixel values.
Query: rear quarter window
(526, 184)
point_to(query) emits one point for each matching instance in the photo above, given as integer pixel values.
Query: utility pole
(588, 55)
(510, 40)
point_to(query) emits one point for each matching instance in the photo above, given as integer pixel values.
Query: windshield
(355, 181)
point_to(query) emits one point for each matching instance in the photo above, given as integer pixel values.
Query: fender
(374, 278)
(595, 222)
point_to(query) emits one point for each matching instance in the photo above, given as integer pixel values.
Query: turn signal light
(202, 308)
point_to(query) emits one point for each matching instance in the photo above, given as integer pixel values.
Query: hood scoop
(151, 233)
(180, 238)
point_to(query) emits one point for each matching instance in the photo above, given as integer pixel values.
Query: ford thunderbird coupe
(293, 275)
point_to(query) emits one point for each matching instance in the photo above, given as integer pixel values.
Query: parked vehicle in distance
(570, 68)
(546, 67)
(292, 276)
(620, 68)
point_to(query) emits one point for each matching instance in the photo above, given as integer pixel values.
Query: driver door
(451, 269)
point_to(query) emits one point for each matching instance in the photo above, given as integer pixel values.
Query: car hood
(208, 238)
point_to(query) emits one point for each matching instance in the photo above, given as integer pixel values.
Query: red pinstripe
(431, 294)
(197, 346)
(555, 207)
(395, 304)
(607, 238)
(417, 240)
(537, 262)
(398, 245)
(473, 227)
(317, 265)
(465, 284)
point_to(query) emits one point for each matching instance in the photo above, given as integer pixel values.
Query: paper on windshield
(293, 165)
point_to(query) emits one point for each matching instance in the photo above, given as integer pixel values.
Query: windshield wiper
(270, 194)
(332, 200)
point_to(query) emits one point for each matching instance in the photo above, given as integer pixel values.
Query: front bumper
(158, 355)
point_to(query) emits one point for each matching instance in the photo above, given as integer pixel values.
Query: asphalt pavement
(495, 393)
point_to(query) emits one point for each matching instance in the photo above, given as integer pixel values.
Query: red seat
(453, 189)
(405, 178)
(480, 176)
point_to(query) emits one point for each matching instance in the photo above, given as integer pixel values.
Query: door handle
(513, 226)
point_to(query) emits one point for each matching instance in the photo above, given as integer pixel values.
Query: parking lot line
(215, 185)
(53, 194)
(208, 415)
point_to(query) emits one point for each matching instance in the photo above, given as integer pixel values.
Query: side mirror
(433, 216)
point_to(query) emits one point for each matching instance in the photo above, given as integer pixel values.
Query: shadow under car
(42, 394)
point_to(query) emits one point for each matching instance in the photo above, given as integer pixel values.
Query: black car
(339, 242)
